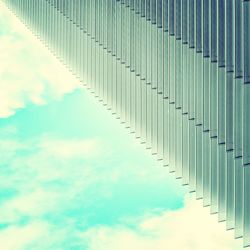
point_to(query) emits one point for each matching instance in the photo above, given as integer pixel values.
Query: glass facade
(176, 74)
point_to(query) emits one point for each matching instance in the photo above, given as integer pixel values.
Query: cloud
(55, 177)
(189, 228)
(70, 148)
(46, 172)
(68, 183)
(20, 237)
(29, 73)
(8, 149)
(63, 183)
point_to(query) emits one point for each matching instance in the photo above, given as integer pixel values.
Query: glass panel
(222, 182)
(160, 61)
(149, 115)
(165, 65)
(192, 170)
(154, 121)
(214, 175)
(166, 132)
(172, 137)
(246, 109)
(178, 156)
(230, 191)
(246, 232)
(239, 186)
(138, 107)
(185, 150)
(198, 162)
(160, 125)
(206, 169)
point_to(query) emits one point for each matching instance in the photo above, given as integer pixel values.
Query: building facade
(177, 75)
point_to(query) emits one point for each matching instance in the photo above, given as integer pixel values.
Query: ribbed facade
(176, 73)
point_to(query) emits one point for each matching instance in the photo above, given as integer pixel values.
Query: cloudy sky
(70, 176)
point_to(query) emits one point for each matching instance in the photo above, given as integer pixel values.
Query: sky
(72, 177)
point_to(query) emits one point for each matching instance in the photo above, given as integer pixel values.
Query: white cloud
(8, 150)
(47, 160)
(29, 73)
(19, 237)
(189, 228)
(71, 148)
(43, 162)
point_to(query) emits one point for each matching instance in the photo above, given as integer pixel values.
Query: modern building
(177, 75)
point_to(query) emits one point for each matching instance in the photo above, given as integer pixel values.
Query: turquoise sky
(71, 176)
(116, 181)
